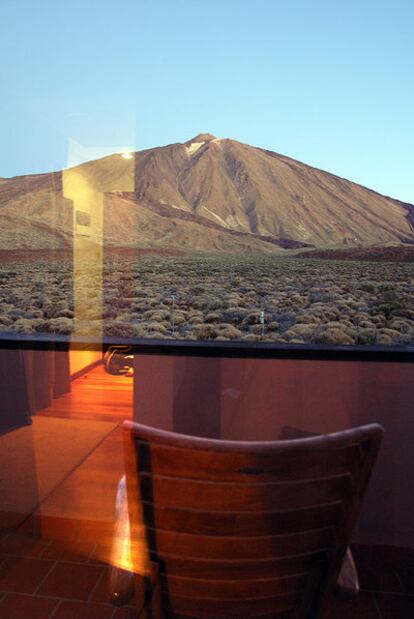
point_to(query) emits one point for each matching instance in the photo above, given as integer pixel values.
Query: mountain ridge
(205, 194)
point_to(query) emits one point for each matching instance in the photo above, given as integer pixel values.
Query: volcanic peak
(201, 137)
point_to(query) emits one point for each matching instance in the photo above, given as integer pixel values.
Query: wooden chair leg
(148, 596)
(156, 599)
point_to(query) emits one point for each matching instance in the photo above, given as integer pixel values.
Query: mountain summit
(210, 194)
(202, 137)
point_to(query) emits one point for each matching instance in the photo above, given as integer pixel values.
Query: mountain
(207, 194)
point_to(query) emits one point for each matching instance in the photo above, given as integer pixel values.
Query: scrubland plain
(216, 297)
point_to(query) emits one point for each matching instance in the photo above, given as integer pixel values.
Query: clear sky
(328, 82)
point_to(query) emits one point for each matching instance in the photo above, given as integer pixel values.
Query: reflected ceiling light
(127, 155)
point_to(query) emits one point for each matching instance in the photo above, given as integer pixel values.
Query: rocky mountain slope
(206, 194)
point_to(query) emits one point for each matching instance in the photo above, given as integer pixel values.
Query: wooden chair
(247, 529)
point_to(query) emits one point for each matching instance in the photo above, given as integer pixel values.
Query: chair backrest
(250, 529)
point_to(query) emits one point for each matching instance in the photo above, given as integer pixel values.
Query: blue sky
(329, 83)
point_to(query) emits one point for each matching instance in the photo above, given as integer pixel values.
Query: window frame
(237, 350)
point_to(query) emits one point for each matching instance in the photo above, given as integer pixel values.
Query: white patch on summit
(193, 148)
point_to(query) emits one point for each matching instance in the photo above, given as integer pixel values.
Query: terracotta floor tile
(380, 579)
(78, 552)
(21, 575)
(377, 569)
(17, 606)
(363, 607)
(31, 527)
(390, 556)
(406, 575)
(83, 610)
(104, 590)
(70, 580)
(96, 532)
(101, 592)
(395, 606)
(405, 570)
(125, 612)
(101, 554)
(20, 545)
(61, 529)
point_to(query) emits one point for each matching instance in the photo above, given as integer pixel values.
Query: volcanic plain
(207, 297)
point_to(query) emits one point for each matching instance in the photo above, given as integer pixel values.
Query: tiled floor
(56, 565)
(39, 580)
(388, 572)
(42, 579)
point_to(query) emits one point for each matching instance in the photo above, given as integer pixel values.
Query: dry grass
(205, 297)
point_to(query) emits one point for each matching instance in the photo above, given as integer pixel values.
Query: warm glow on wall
(85, 185)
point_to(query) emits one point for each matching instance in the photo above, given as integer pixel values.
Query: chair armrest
(347, 583)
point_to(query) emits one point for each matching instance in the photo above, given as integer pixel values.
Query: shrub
(64, 326)
(179, 319)
(382, 338)
(272, 326)
(212, 317)
(274, 337)
(332, 336)
(156, 315)
(23, 325)
(251, 337)
(195, 319)
(367, 336)
(229, 332)
(121, 329)
(301, 331)
(154, 327)
(286, 320)
(205, 332)
(234, 315)
(252, 318)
